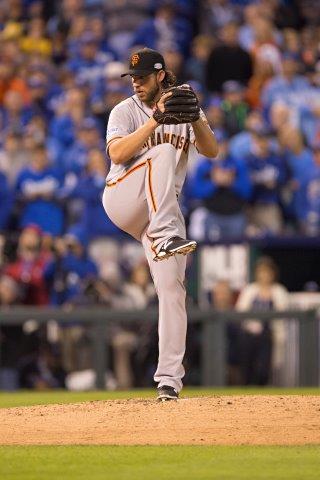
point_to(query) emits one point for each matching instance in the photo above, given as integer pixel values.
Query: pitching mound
(234, 420)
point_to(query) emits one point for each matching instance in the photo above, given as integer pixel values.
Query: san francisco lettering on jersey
(180, 142)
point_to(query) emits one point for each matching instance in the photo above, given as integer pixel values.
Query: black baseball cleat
(166, 394)
(175, 245)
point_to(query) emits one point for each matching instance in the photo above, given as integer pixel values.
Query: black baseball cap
(145, 61)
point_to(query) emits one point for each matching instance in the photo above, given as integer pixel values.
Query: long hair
(169, 80)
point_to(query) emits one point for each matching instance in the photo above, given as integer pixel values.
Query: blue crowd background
(255, 66)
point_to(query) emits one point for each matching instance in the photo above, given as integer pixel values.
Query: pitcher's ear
(161, 75)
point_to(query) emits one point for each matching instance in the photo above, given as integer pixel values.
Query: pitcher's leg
(161, 194)
(168, 277)
(126, 205)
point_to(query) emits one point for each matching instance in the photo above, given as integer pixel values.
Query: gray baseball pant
(143, 202)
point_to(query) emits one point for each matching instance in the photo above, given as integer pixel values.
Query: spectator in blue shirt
(289, 87)
(299, 162)
(88, 136)
(310, 204)
(67, 275)
(105, 99)
(267, 174)
(14, 114)
(37, 188)
(70, 112)
(89, 188)
(89, 63)
(241, 144)
(222, 187)
(40, 94)
(6, 197)
(310, 121)
(165, 31)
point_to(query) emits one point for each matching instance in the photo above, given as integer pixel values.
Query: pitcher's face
(146, 87)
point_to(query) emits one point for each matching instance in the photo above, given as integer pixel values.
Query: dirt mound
(217, 420)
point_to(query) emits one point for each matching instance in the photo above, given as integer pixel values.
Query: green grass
(25, 398)
(149, 462)
(160, 463)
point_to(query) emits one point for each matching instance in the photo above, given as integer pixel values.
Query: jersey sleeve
(120, 124)
(192, 135)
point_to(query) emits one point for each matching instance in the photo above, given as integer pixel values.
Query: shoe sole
(167, 398)
(184, 250)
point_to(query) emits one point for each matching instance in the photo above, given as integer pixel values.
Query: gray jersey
(128, 116)
(140, 198)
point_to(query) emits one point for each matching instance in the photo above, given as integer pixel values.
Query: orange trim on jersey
(109, 143)
(150, 184)
(112, 184)
(113, 138)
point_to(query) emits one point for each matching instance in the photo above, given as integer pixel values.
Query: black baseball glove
(181, 107)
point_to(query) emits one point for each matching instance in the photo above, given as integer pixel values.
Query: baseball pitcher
(150, 137)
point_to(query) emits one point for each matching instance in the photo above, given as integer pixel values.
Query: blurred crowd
(255, 66)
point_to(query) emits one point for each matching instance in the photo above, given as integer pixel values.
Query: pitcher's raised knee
(163, 150)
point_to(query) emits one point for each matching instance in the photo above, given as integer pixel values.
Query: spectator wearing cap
(28, 268)
(39, 95)
(89, 188)
(36, 189)
(6, 201)
(111, 78)
(234, 107)
(90, 62)
(166, 31)
(310, 202)
(268, 175)
(223, 187)
(67, 275)
(227, 61)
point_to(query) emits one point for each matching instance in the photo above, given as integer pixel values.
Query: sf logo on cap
(134, 59)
